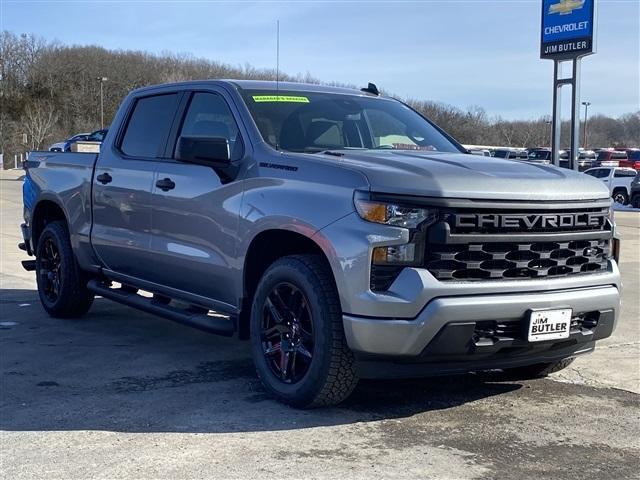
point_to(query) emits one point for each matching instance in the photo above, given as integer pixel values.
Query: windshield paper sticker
(279, 98)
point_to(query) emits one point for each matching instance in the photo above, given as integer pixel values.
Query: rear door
(195, 210)
(123, 182)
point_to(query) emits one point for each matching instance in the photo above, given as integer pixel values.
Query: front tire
(620, 196)
(297, 337)
(62, 286)
(539, 370)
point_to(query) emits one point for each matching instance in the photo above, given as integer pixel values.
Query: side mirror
(209, 151)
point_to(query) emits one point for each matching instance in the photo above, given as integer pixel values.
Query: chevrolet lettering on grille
(530, 222)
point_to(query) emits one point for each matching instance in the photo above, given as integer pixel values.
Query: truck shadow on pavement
(121, 370)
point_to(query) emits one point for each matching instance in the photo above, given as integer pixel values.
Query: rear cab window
(148, 126)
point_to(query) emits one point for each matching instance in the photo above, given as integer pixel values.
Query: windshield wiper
(384, 147)
(334, 153)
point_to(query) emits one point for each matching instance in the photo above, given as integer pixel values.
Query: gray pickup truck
(340, 232)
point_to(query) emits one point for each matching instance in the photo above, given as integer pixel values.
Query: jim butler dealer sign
(567, 28)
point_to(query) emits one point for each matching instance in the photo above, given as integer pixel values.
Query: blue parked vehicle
(65, 146)
(96, 136)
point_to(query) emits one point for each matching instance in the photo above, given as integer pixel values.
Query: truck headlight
(394, 214)
(415, 218)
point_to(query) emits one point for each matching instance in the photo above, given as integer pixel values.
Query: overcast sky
(470, 52)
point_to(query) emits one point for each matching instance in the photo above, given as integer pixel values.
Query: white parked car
(618, 179)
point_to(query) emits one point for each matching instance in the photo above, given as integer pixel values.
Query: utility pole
(586, 110)
(102, 80)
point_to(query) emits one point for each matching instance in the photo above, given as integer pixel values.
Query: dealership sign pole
(567, 34)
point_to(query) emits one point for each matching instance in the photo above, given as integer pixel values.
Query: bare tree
(51, 91)
(39, 120)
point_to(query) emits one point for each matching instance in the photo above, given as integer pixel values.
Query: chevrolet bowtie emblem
(565, 7)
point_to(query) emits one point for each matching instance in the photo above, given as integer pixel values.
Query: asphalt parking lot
(122, 394)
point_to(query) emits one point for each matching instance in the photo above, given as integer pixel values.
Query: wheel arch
(265, 248)
(45, 212)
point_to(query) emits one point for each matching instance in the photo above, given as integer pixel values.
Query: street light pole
(586, 109)
(548, 122)
(102, 80)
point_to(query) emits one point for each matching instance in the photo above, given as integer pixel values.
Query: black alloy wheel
(297, 335)
(287, 332)
(50, 270)
(62, 285)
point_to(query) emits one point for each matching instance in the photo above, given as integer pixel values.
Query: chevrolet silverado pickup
(340, 232)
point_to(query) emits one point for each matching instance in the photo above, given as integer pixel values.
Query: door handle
(104, 178)
(165, 184)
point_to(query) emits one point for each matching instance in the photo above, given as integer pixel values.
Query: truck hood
(453, 175)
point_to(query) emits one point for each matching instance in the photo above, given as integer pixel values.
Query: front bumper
(461, 314)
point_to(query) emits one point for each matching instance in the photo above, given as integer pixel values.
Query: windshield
(540, 155)
(316, 121)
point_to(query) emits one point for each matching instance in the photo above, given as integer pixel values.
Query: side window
(599, 173)
(149, 125)
(209, 116)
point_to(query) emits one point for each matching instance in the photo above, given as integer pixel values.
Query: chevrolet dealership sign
(567, 28)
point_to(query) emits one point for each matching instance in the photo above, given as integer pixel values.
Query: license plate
(549, 324)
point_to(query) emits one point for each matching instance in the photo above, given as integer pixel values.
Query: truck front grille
(514, 243)
(510, 243)
(486, 261)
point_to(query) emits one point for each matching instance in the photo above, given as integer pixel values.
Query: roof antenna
(371, 88)
(277, 53)
(277, 69)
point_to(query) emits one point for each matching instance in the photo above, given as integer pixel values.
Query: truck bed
(66, 177)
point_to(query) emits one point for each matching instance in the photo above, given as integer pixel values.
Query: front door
(195, 210)
(122, 189)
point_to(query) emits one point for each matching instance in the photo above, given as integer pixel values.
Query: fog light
(395, 255)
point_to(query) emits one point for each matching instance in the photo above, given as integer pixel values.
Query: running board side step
(220, 326)
(29, 265)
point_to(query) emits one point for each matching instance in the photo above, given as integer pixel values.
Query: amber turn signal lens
(380, 255)
(373, 211)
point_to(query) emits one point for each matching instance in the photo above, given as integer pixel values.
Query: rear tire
(299, 350)
(62, 286)
(539, 370)
(620, 196)
(635, 201)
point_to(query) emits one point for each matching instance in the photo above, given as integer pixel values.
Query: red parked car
(633, 159)
(611, 158)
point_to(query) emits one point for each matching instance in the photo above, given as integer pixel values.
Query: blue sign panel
(567, 28)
